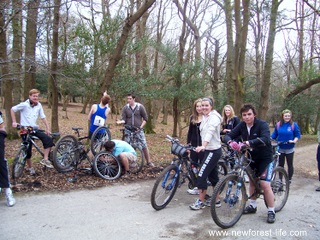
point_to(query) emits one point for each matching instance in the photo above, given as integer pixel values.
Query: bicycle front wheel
(19, 162)
(137, 166)
(99, 136)
(106, 165)
(232, 200)
(165, 187)
(280, 187)
(65, 153)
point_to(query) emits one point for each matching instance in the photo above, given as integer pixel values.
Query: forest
(167, 52)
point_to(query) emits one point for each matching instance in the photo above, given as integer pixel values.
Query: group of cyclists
(206, 130)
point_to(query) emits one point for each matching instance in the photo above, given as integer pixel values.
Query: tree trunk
(30, 48)
(265, 87)
(116, 56)
(54, 67)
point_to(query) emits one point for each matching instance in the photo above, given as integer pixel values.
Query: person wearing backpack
(286, 131)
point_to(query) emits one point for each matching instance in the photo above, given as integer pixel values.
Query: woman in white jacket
(210, 135)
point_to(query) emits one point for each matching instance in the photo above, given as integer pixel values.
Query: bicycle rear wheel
(232, 201)
(99, 136)
(280, 187)
(137, 167)
(222, 168)
(19, 162)
(65, 154)
(165, 187)
(106, 165)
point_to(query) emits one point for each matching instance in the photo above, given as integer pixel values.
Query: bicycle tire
(222, 168)
(106, 165)
(231, 207)
(140, 160)
(99, 136)
(280, 187)
(19, 162)
(165, 187)
(65, 154)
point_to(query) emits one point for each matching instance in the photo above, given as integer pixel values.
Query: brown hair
(109, 145)
(105, 99)
(195, 115)
(246, 107)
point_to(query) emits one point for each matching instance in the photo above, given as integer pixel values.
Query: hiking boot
(46, 163)
(249, 209)
(32, 171)
(197, 205)
(10, 200)
(194, 191)
(271, 217)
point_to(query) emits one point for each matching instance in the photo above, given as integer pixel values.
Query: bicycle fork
(173, 182)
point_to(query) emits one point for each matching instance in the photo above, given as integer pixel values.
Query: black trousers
(4, 173)
(318, 160)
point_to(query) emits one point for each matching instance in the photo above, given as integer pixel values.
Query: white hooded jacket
(210, 130)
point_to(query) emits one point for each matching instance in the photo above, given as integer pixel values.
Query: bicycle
(99, 136)
(130, 135)
(27, 140)
(107, 166)
(232, 191)
(169, 179)
(70, 151)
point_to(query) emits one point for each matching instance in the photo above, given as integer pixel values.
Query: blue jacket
(286, 133)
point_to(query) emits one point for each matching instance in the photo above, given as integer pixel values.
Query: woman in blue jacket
(286, 131)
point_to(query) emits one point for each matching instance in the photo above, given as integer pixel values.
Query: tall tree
(30, 47)
(266, 79)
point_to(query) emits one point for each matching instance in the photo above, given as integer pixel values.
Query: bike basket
(178, 149)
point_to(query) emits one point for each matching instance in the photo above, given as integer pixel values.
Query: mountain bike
(98, 138)
(106, 165)
(27, 141)
(130, 135)
(70, 151)
(174, 175)
(231, 190)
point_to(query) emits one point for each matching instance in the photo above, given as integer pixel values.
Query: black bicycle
(27, 139)
(70, 151)
(98, 138)
(231, 190)
(130, 135)
(174, 175)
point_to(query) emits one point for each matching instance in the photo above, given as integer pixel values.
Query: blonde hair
(33, 91)
(195, 115)
(232, 114)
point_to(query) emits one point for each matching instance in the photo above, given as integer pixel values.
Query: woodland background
(168, 52)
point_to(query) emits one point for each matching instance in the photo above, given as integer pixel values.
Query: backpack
(278, 125)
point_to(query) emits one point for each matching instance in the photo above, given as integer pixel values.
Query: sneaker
(318, 189)
(32, 171)
(150, 164)
(249, 209)
(46, 163)
(197, 205)
(271, 217)
(208, 203)
(194, 191)
(218, 204)
(10, 200)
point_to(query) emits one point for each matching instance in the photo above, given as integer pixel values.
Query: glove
(235, 146)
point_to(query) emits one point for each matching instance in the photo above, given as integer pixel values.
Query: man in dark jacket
(256, 134)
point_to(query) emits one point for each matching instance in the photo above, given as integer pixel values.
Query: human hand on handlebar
(236, 146)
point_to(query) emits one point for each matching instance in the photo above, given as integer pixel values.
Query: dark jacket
(259, 140)
(231, 124)
(193, 136)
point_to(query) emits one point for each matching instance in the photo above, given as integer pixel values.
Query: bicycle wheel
(232, 201)
(65, 153)
(19, 162)
(99, 136)
(280, 187)
(106, 166)
(137, 166)
(222, 168)
(165, 187)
